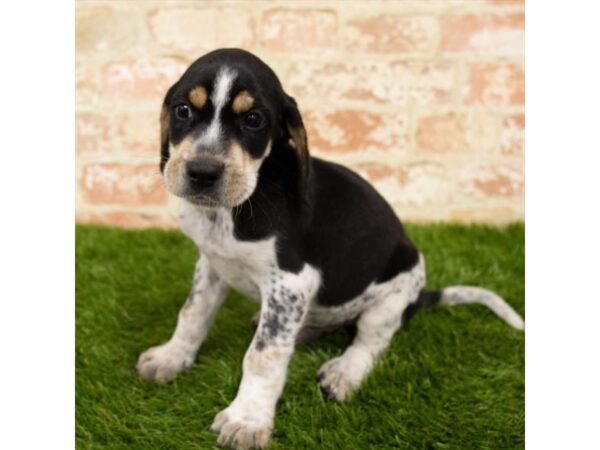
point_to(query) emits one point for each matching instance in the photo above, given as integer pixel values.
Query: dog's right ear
(165, 117)
(294, 129)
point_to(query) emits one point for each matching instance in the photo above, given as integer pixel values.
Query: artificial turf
(453, 379)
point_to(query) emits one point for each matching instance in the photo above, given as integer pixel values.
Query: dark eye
(253, 120)
(183, 112)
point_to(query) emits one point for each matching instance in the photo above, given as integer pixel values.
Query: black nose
(204, 172)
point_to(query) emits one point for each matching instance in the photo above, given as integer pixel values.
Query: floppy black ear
(298, 141)
(164, 128)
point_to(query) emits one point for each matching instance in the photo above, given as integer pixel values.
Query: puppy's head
(220, 122)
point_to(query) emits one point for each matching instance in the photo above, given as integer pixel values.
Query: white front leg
(163, 362)
(248, 421)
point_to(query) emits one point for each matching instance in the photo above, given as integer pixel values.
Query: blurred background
(425, 98)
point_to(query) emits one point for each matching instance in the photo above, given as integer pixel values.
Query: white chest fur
(243, 265)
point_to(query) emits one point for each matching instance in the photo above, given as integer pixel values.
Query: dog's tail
(458, 295)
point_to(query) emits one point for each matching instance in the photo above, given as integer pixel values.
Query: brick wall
(425, 98)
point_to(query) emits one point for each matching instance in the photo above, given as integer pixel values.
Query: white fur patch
(379, 319)
(242, 265)
(219, 96)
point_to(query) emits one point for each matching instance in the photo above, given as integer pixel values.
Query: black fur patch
(404, 258)
(347, 231)
(427, 299)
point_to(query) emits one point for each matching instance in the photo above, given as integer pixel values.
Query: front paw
(338, 378)
(241, 429)
(163, 362)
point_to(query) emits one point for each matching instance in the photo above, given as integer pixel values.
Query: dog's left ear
(165, 118)
(296, 134)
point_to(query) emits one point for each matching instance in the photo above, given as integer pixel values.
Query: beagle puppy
(310, 240)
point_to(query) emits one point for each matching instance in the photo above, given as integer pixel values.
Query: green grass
(454, 379)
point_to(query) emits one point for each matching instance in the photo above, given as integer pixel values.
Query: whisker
(251, 210)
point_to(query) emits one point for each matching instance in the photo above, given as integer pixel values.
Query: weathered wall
(423, 97)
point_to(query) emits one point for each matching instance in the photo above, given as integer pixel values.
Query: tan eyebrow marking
(198, 96)
(242, 102)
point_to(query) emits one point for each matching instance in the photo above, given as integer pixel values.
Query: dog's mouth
(232, 189)
(202, 200)
(218, 197)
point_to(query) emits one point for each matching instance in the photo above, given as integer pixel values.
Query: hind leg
(376, 326)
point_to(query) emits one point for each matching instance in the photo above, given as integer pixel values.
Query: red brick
(493, 180)
(200, 29)
(183, 29)
(399, 83)
(126, 219)
(92, 133)
(391, 34)
(417, 184)
(299, 30)
(497, 34)
(424, 183)
(140, 79)
(506, 2)
(138, 132)
(125, 184)
(456, 133)
(513, 135)
(355, 130)
(413, 184)
(496, 84)
(87, 86)
(100, 29)
(377, 173)
(373, 171)
(441, 134)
